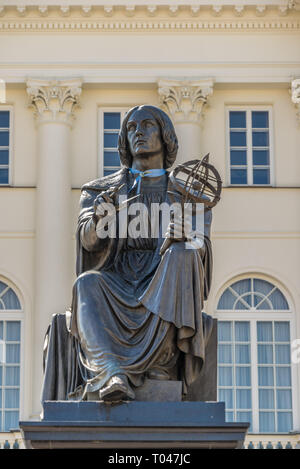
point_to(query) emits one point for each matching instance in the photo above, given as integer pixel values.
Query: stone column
(53, 103)
(185, 102)
(295, 94)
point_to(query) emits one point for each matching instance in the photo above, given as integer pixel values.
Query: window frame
(5, 107)
(7, 315)
(253, 317)
(101, 111)
(248, 108)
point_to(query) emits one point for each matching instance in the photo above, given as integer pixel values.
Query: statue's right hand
(103, 205)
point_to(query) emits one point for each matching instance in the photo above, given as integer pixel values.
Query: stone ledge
(133, 425)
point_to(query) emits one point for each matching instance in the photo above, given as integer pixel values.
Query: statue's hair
(167, 132)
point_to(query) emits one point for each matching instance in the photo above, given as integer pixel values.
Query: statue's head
(162, 135)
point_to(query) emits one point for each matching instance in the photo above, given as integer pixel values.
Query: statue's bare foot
(116, 389)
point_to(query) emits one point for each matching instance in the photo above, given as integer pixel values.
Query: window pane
(13, 330)
(110, 140)
(1, 371)
(261, 157)
(260, 139)
(261, 305)
(11, 398)
(242, 331)
(225, 354)
(237, 119)
(11, 300)
(238, 157)
(282, 331)
(4, 119)
(12, 375)
(12, 353)
(258, 299)
(11, 420)
(238, 139)
(244, 417)
(243, 376)
(284, 421)
(244, 304)
(227, 300)
(262, 286)
(112, 120)
(225, 376)
(266, 399)
(107, 172)
(265, 354)
(4, 138)
(238, 176)
(111, 158)
(226, 395)
(229, 417)
(243, 398)
(1, 330)
(265, 376)
(3, 176)
(224, 331)
(266, 422)
(283, 376)
(278, 300)
(242, 353)
(282, 354)
(242, 286)
(260, 119)
(284, 399)
(264, 331)
(261, 176)
(3, 156)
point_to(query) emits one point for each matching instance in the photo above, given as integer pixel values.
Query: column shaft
(53, 103)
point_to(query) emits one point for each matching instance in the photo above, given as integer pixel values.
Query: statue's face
(144, 135)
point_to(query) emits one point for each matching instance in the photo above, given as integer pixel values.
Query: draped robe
(132, 309)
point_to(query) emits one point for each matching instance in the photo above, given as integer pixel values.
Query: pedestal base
(70, 424)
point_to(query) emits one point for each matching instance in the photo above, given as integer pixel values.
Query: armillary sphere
(198, 181)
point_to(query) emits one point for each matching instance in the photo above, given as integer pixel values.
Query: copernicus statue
(136, 312)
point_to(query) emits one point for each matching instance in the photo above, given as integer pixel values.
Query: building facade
(228, 74)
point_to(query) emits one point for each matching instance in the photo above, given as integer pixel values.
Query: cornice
(86, 26)
(148, 15)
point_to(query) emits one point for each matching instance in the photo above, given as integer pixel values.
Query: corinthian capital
(295, 95)
(185, 100)
(53, 100)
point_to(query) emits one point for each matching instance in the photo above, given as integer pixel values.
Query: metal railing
(272, 441)
(11, 440)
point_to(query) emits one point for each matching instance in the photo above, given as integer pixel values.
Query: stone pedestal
(70, 424)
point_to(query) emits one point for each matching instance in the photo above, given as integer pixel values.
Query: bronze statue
(136, 312)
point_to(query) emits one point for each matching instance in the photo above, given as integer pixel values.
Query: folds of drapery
(193, 328)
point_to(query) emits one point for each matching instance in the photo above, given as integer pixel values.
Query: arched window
(254, 360)
(10, 343)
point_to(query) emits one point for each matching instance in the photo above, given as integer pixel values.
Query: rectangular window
(274, 376)
(10, 341)
(234, 370)
(250, 146)
(254, 374)
(110, 124)
(5, 144)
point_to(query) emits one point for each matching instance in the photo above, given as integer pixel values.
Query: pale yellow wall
(254, 229)
(138, 47)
